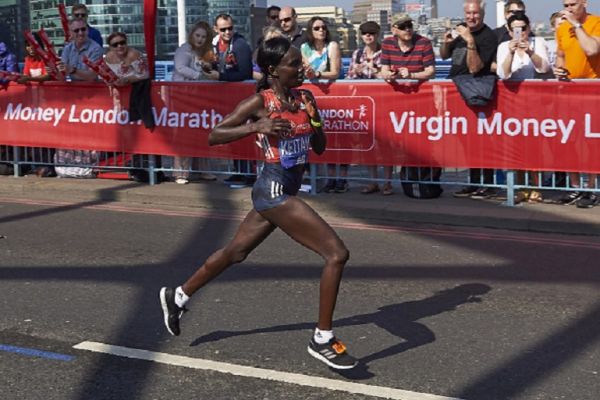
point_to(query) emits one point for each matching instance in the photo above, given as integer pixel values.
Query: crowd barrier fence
(541, 126)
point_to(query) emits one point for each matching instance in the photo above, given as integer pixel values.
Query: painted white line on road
(259, 373)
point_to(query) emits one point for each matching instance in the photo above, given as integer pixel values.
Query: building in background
(380, 11)
(14, 15)
(342, 31)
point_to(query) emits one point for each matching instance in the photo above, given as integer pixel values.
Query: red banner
(532, 125)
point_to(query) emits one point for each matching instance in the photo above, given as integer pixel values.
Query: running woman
(287, 123)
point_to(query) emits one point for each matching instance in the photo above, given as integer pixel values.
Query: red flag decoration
(150, 33)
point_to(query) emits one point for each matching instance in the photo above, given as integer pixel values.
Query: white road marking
(259, 373)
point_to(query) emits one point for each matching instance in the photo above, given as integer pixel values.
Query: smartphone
(517, 31)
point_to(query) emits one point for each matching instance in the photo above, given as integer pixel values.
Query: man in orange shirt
(578, 57)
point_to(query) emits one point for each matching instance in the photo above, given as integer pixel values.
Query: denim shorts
(275, 184)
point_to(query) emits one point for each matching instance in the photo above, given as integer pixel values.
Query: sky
(537, 10)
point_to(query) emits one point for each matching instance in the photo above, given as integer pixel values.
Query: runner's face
(290, 70)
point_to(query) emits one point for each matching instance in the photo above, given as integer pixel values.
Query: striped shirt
(416, 59)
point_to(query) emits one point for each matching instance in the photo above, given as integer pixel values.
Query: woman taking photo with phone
(287, 123)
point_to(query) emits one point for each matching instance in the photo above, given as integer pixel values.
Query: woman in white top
(126, 62)
(524, 55)
(194, 61)
(518, 59)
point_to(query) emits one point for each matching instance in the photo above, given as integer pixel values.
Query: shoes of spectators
(587, 200)
(387, 189)
(521, 196)
(371, 188)
(181, 181)
(341, 186)
(568, 198)
(484, 193)
(205, 176)
(234, 179)
(329, 187)
(465, 192)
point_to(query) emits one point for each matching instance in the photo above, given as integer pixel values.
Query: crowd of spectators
(218, 52)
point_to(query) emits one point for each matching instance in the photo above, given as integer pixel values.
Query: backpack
(421, 190)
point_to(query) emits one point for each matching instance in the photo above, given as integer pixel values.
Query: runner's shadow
(399, 320)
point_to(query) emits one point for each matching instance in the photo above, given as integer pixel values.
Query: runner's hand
(277, 127)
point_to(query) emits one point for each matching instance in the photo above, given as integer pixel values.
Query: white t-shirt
(522, 67)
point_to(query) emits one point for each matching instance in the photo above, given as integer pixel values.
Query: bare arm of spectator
(505, 57)
(427, 73)
(335, 62)
(589, 44)
(447, 47)
(559, 65)
(474, 63)
(539, 55)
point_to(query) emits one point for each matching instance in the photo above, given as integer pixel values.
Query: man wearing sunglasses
(406, 55)
(80, 46)
(512, 7)
(288, 20)
(80, 11)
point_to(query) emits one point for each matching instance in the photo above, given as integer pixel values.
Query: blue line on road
(36, 353)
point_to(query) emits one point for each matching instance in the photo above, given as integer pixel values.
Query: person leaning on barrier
(366, 64)
(34, 69)
(195, 61)
(234, 63)
(80, 11)
(322, 60)
(8, 61)
(473, 51)
(126, 62)
(578, 57)
(522, 58)
(72, 55)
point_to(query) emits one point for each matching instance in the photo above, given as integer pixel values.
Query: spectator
(80, 161)
(512, 7)
(322, 59)
(268, 32)
(473, 51)
(195, 61)
(288, 19)
(8, 61)
(234, 61)
(578, 57)
(34, 69)
(72, 56)
(80, 11)
(366, 64)
(271, 21)
(518, 59)
(555, 21)
(126, 62)
(406, 54)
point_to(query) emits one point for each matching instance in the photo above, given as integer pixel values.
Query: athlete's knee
(338, 255)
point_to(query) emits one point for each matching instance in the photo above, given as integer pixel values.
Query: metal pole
(510, 188)
(16, 161)
(181, 28)
(151, 171)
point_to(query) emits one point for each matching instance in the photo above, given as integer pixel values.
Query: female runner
(287, 123)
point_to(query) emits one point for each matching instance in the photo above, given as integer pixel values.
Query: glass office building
(14, 15)
(127, 16)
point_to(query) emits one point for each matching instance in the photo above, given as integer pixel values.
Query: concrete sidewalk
(373, 208)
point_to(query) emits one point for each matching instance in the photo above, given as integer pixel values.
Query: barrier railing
(536, 126)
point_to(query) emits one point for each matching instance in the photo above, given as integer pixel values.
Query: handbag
(476, 90)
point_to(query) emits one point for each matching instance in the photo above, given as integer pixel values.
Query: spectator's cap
(403, 19)
(369, 27)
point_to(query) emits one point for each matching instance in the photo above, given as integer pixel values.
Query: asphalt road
(457, 312)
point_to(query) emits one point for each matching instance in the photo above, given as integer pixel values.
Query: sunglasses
(287, 19)
(80, 15)
(80, 30)
(274, 17)
(227, 28)
(370, 33)
(117, 44)
(319, 28)
(405, 27)
(567, 5)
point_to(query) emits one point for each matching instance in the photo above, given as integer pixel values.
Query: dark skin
(294, 216)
